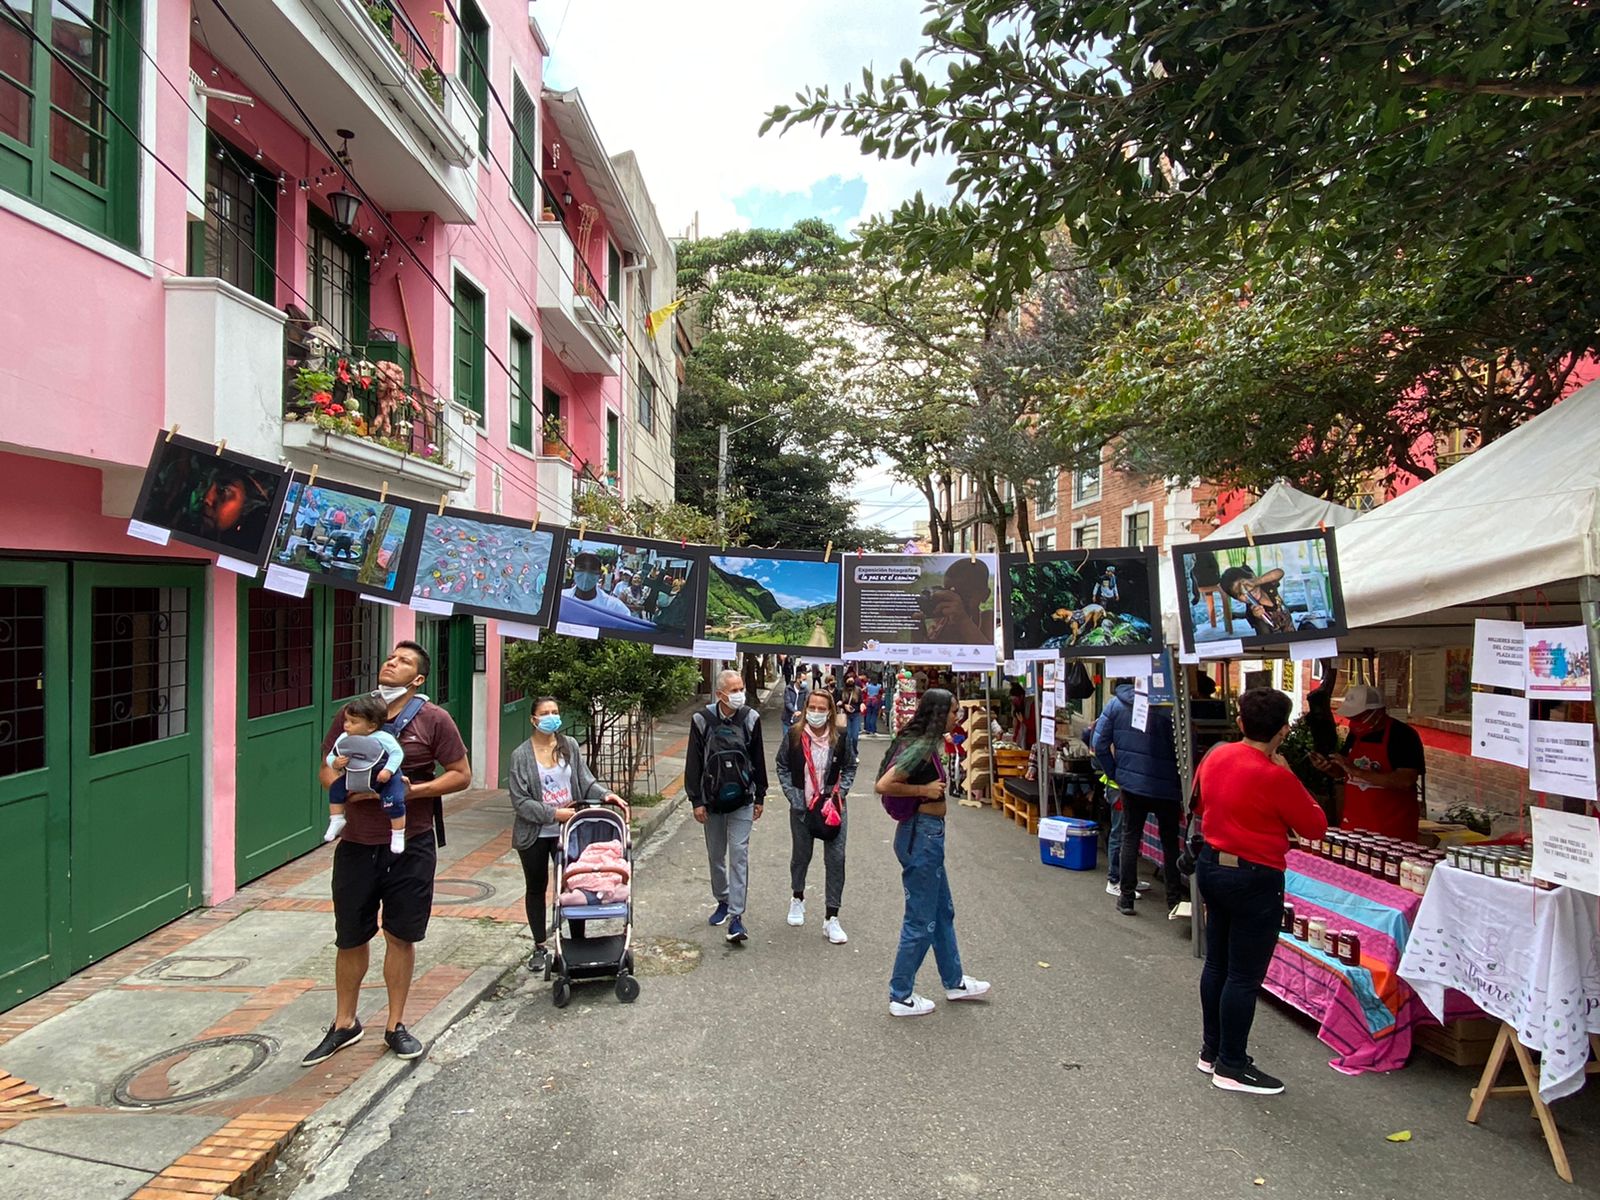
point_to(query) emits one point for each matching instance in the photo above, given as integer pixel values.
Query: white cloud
(686, 88)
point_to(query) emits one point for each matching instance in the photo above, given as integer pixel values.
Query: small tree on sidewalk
(609, 685)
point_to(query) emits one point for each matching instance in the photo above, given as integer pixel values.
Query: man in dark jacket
(795, 692)
(1144, 766)
(727, 820)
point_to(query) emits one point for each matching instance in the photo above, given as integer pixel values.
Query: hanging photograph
(927, 607)
(773, 601)
(1082, 603)
(1280, 588)
(632, 588)
(224, 503)
(486, 565)
(346, 536)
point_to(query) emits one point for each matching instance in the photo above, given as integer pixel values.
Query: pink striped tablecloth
(1367, 1013)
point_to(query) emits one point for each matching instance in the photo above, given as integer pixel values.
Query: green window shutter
(469, 347)
(521, 389)
(613, 438)
(614, 276)
(68, 145)
(474, 63)
(524, 144)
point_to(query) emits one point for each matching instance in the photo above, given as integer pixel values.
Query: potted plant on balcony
(555, 435)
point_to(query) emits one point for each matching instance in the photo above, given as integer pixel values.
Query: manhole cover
(183, 968)
(192, 1071)
(665, 956)
(460, 891)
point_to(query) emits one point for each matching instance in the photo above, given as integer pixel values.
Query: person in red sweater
(1249, 801)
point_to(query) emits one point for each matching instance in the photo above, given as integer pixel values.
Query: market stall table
(1530, 958)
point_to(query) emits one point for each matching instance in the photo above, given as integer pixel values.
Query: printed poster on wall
(911, 607)
(487, 565)
(1558, 663)
(1566, 849)
(773, 601)
(632, 588)
(1080, 603)
(226, 503)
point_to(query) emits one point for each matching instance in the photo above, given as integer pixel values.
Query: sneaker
(1206, 1064)
(1115, 889)
(1125, 907)
(336, 1040)
(970, 989)
(736, 933)
(539, 959)
(1250, 1078)
(719, 915)
(834, 931)
(797, 912)
(400, 1040)
(912, 1006)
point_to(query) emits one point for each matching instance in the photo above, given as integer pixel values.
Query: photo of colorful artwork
(478, 565)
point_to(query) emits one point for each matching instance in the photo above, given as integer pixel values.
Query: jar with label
(1391, 865)
(1300, 923)
(1350, 948)
(1317, 933)
(1363, 860)
(1288, 918)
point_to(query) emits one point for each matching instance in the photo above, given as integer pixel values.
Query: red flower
(366, 381)
(344, 371)
(336, 410)
(322, 399)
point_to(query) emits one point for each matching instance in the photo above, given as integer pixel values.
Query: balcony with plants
(360, 405)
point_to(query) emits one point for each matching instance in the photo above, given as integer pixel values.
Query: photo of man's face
(223, 502)
(223, 506)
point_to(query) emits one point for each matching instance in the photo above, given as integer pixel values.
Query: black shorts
(367, 877)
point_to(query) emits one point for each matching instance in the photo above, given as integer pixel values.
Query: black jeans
(1244, 912)
(1134, 811)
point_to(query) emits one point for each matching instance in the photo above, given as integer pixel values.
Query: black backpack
(725, 774)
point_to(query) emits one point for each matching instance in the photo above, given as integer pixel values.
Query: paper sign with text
(1497, 654)
(1500, 728)
(1561, 758)
(1566, 849)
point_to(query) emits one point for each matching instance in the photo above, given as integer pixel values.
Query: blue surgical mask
(585, 581)
(549, 723)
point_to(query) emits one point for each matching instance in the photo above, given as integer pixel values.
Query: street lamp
(345, 204)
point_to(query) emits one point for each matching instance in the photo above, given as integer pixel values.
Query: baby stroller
(578, 954)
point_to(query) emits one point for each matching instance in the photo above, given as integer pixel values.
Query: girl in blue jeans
(914, 767)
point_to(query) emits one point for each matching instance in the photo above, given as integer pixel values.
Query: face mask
(585, 581)
(816, 719)
(549, 723)
(735, 699)
(389, 694)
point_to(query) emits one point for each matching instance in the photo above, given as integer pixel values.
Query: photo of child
(1265, 591)
(369, 759)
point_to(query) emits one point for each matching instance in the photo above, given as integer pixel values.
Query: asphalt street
(774, 1070)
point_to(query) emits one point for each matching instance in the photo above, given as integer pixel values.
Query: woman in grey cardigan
(548, 777)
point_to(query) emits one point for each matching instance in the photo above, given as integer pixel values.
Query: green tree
(605, 683)
(1196, 130)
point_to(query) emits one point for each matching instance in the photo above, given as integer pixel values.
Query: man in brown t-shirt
(368, 876)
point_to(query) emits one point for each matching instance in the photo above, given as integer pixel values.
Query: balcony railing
(391, 18)
(362, 392)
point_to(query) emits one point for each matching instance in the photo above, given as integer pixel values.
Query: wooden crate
(1465, 1043)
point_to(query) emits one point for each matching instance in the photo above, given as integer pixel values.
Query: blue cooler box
(1068, 842)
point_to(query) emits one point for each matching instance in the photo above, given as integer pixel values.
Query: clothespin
(383, 493)
(1322, 527)
(828, 553)
(535, 526)
(972, 553)
(1030, 549)
(583, 528)
(444, 499)
(311, 482)
(1249, 537)
(222, 443)
(172, 431)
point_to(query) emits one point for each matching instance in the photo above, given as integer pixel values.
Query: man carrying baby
(369, 877)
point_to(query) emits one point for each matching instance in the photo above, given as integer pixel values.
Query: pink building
(176, 180)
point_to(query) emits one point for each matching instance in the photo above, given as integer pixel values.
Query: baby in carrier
(369, 758)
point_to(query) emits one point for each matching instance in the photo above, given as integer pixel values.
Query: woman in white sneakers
(914, 781)
(816, 766)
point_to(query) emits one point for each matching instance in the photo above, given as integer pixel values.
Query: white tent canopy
(1281, 509)
(1506, 533)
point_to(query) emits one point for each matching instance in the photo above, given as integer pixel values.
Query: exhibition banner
(1265, 591)
(633, 588)
(219, 501)
(914, 606)
(1081, 603)
(773, 601)
(347, 537)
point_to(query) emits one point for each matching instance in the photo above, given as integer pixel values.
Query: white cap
(1359, 699)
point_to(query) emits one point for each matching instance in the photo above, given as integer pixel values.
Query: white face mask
(735, 699)
(816, 719)
(389, 693)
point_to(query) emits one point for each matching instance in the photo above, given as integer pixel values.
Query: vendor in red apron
(1381, 761)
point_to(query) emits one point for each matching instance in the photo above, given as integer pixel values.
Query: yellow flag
(654, 322)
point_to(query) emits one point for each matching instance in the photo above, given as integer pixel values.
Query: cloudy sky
(686, 88)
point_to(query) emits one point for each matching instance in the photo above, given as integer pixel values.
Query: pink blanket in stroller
(599, 875)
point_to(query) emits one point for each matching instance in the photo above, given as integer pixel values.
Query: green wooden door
(138, 700)
(516, 710)
(448, 641)
(279, 729)
(300, 661)
(34, 780)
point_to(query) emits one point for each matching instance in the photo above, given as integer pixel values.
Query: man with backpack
(725, 776)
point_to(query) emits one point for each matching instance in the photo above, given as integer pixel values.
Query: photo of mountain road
(786, 604)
